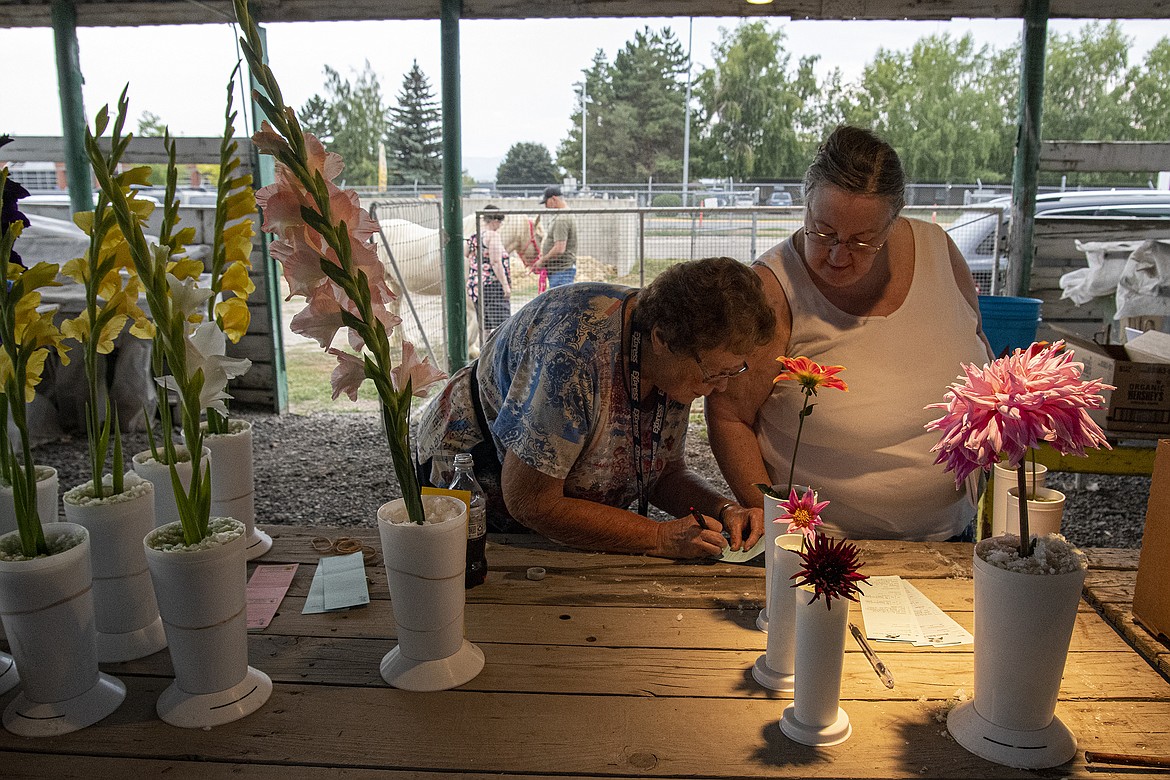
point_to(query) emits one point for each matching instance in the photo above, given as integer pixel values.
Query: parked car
(780, 198)
(980, 234)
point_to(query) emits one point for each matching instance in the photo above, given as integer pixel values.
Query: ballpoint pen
(879, 667)
(698, 519)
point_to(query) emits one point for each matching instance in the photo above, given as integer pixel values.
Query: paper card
(887, 611)
(338, 583)
(266, 589)
(742, 556)
(937, 627)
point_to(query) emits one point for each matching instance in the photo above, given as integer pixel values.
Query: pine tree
(414, 143)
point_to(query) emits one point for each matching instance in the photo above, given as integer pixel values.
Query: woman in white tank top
(892, 300)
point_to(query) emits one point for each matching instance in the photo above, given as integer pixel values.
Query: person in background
(496, 274)
(578, 408)
(892, 300)
(558, 254)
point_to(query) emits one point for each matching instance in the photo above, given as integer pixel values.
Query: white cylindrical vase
(1045, 512)
(159, 474)
(46, 606)
(425, 566)
(1003, 480)
(202, 601)
(9, 676)
(47, 509)
(775, 669)
(125, 610)
(233, 483)
(772, 531)
(1023, 624)
(815, 716)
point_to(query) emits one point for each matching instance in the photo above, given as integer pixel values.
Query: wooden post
(77, 170)
(1027, 161)
(456, 298)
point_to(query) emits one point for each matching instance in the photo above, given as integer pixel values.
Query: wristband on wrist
(723, 508)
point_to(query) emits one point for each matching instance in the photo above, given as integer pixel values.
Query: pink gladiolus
(1014, 404)
(803, 513)
(415, 369)
(349, 374)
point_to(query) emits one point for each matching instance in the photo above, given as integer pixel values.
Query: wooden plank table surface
(610, 666)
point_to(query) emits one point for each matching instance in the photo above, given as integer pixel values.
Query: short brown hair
(713, 303)
(858, 161)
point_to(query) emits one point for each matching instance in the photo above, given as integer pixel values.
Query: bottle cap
(536, 573)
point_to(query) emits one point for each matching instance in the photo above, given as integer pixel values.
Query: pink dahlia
(803, 514)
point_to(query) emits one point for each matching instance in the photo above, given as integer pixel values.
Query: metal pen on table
(879, 667)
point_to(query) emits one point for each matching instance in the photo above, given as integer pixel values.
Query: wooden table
(616, 666)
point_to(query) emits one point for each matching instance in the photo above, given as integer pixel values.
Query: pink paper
(266, 589)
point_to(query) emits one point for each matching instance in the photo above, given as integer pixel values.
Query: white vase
(1044, 512)
(1023, 624)
(46, 605)
(125, 610)
(775, 668)
(772, 532)
(9, 676)
(159, 474)
(47, 508)
(233, 484)
(1003, 480)
(202, 601)
(425, 567)
(815, 716)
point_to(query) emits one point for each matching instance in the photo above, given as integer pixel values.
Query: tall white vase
(425, 567)
(772, 532)
(1023, 624)
(125, 610)
(1003, 480)
(159, 474)
(9, 676)
(47, 500)
(232, 482)
(46, 606)
(201, 597)
(775, 669)
(1045, 512)
(815, 716)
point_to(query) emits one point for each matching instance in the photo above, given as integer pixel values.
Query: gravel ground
(334, 470)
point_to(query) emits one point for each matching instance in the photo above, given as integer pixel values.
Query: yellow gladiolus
(185, 268)
(235, 279)
(237, 242)
(235, 317)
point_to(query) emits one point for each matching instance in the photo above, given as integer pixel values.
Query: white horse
(418, 258)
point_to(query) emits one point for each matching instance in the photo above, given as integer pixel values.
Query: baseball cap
(550, 192)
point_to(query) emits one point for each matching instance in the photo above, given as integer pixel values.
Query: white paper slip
(938, 628)
(339, 582)
(887, 611)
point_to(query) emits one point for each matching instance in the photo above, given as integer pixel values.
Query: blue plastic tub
(1010, 323)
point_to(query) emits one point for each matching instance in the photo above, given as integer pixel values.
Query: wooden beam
(1104, 156)
(188, 149)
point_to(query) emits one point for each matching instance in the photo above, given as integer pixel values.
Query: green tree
(527, 163)
(350, 118)
(933, 105)
(150, 125)
(414, 143)
(1085, 85)
(599, 93)
(1149, 97)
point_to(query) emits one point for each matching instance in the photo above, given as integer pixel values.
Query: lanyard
(636, 417)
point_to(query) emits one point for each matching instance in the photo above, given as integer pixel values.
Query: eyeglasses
(712, 378)
(830, 241)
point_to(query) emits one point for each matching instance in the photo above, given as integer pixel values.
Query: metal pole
(77, 171)
(456, 304)
(687, 121)
(1025, 171)
(584, 179)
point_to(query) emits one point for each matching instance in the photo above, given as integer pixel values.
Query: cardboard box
(1141, 401)
(1151, 593)
(1152, 346)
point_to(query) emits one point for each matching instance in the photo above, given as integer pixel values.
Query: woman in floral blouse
(577, 410)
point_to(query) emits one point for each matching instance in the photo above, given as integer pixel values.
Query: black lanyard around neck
(636, 416)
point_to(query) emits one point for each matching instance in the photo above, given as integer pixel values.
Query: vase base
(437, 675)
(9, 677)
(817, 736)
(258, 543)
(201, 710)
(770, 678)
(131, 645)
(27, 718)
(762, 620)
(1047, 747)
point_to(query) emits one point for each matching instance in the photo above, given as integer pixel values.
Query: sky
(516, 76)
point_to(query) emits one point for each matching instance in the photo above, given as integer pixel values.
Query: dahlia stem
(1025, 536)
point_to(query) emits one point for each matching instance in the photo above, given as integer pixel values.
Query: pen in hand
(698, 519)
(882, 672)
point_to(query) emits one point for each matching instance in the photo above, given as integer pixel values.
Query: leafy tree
(527, 163)
(1149, 98)
(351, 118)
(1085, 84)
(150, 125)
(414, 142)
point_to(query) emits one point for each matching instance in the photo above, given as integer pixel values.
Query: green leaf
(769, 491)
